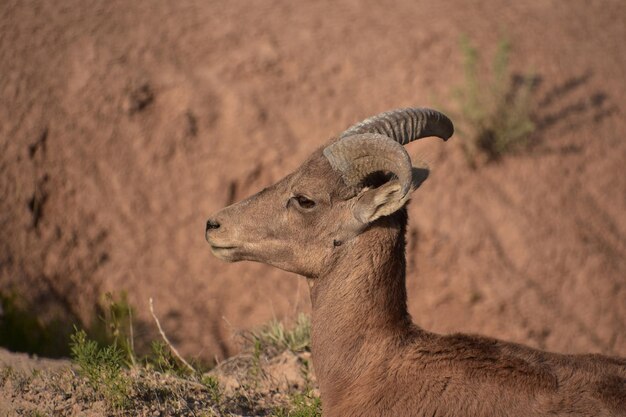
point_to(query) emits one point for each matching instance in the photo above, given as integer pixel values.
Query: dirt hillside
(123, 125)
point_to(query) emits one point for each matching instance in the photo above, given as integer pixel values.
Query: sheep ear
(378, 202)
(386, 199)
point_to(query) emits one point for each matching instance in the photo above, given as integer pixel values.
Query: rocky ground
(264, 380)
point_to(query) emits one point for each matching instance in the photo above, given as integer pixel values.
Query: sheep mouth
(219, 248)
(226, 253)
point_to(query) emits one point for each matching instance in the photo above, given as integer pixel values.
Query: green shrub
(275, 336)
(22, 330)
(302, 405)
(114, 325)
(162, 360)
(103, 367)
(495, 110)
(213, 385)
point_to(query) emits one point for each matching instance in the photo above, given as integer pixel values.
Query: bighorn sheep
(340, 221)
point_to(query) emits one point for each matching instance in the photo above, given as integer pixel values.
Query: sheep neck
(359, 306)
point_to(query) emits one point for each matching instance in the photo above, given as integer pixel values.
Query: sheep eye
(304, 202)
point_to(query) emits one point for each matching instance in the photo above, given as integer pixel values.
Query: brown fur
(370, 359)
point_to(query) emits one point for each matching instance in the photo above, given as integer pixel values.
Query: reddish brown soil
(123, 125)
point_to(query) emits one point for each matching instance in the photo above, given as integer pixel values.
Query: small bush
(103, 368)
(213, 385)
(274, 336)
(162, 360)
(22, 330)
(496, 110)
(114, 325)
(302, 405)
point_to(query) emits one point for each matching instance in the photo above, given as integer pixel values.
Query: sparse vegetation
(301, 405)
(122, 383)
(159, 381)
(115, 325)
(161, 359)
(495, 111)
(213, 385)
(102, 366)
(23, 331)
(274, 336)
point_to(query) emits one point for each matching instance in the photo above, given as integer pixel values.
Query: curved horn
(359, 155)
(365, 147)
(405, 125)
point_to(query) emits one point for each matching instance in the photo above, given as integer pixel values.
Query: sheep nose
(211, 225)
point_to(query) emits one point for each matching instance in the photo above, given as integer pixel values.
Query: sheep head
(304, 221)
